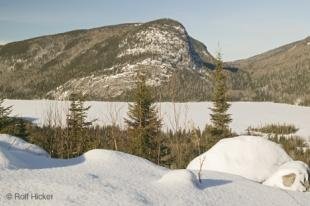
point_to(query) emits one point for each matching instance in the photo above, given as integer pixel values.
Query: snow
(17, 144)
(252, 157)
(15, 153)
(104, 177)
(179, 178)
(2, 42)
(300, 169)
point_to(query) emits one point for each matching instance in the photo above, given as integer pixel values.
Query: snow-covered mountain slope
(101, 63)
(244, 114)
(103, 177)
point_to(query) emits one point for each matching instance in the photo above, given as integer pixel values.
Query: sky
(240, 28)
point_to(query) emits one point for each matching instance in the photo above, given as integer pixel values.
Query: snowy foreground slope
(244, 114)
(102, 177)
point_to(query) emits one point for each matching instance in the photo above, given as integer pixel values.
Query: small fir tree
(4, 115)
(220, 118)
(21, 129)
(77, 139)
(143, 123)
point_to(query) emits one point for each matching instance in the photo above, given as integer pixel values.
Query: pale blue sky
(242, 27)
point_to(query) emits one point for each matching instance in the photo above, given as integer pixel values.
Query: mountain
(102, 62)
(281, 75)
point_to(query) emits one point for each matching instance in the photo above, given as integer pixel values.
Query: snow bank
(179, 178)
(15, 153)
(104, 177)
(292, 175)
(252, 157)
(17, 144)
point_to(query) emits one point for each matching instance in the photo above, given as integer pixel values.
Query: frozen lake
(174, 115)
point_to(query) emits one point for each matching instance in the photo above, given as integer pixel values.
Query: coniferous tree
(77, 139)
(21, 129)
(143, 123)
(4, 115)
(220, 118)
(163, 151)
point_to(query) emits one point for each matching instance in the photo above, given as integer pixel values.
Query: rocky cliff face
(101, 63)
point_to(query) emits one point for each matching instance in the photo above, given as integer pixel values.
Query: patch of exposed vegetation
(280, 129)
(295, 146)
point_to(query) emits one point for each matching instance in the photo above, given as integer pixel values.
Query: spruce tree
(220, 118)
(77, 139)
(21, 129)
(143, 123)
(4, 115)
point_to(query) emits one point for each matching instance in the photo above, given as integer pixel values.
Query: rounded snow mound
(117, 159)
(16, 153)
(252, 157)
(179, 178)
(113, 157)
(15, 143)
(292, 175)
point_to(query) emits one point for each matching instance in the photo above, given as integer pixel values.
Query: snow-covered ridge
(162, 44)
(166, 49)
(157, 41)
(115, 83)
(158, 49)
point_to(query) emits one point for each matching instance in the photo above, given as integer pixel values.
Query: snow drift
(104, 177)
(292, 175)
(15, 153)
(251, 157)
(179, 178)
(254, 158)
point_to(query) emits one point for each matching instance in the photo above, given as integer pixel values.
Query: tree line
(143, 135)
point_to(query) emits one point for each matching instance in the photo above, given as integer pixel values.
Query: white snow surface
(190, 114)
(104, 177)
(300, 169)
(16, 153)
(179, 178)
(252, 157)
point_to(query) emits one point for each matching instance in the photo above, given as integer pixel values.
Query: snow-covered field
(103, 177)
(178, 115)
